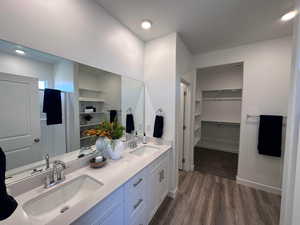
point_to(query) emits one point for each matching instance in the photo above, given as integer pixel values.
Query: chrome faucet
(133, 142)
(55, 175)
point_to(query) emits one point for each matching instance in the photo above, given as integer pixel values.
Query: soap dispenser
(144, 139)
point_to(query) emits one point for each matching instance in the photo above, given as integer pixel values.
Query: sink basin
(144, 150)
(58, 200)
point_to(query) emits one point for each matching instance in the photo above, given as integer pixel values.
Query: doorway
(218, 112)
(184, 125)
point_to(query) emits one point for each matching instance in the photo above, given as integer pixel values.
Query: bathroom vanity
(125, 192)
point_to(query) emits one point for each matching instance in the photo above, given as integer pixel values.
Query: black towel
(7, 203)
(158, 127)
(270, 135)
(113, 116)
(52, 106)
(129, 123)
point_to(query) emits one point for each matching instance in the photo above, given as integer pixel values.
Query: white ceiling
(205, 25)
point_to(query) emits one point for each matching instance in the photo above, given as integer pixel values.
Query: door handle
(36, 140)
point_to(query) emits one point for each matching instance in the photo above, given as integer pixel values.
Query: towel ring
(159, 112)
(129, 110)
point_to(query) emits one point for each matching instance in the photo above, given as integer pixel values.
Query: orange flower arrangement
(112, 130)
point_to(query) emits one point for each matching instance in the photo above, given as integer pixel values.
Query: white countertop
(113, 175)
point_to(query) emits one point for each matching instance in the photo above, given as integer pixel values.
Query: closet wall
(218, 107)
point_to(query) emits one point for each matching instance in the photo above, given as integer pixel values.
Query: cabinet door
(115, 218)
(163, 181)
(158, 184)
(109, 211)
(153, 192)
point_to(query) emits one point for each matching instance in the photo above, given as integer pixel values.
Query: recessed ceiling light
(20, 52)
(146, 24)
(290, 15)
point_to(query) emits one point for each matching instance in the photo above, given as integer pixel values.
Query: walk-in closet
(218, 106)
(99, 94)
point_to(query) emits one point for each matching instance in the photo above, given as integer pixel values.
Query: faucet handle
(47, 159)
(48, 180)
(61, 163)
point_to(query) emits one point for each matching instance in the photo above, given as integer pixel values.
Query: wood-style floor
(218, 163)
(204, 199)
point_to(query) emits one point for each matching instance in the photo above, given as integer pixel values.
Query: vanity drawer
(136, 184)
(135, 197)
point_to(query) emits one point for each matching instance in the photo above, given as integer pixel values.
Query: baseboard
(217, 148)
(192, 167)
(172, 194)
(263, 187)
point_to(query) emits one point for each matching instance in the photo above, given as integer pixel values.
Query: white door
(182, 126)
(19, 119)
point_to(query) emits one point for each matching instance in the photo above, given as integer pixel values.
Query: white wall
(74, 29)
(167, 60)
(290, 201)
(185, 72)
(133, 96)
(160, 86)
(265, 91)
(19, 65)
(160, 80)
(65, 79)
(64, 76)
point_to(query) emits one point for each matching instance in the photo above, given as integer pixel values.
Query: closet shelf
(87, 137)
(84, 99)
(223, 90)
(89, 125)
(89, 89)
(222, 121)
(223, 99)
(85, 113)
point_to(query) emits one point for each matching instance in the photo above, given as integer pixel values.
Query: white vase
(114, 148)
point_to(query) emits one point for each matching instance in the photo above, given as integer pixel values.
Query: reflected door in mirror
(19, 119)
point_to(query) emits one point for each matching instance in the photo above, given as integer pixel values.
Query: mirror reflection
(48, 103)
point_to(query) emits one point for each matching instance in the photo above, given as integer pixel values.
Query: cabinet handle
(161, 176)
(138, 204)
(138, 182)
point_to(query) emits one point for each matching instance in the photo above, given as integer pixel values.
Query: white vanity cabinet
(135, 202)
(158, 184)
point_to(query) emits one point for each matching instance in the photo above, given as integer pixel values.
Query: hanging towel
(270, 135)
(113, 116)
(158, 126)
(52, 106)
(7, 203)
(129, 123)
